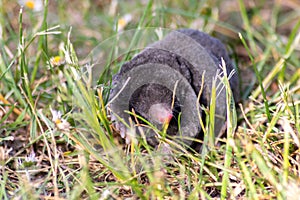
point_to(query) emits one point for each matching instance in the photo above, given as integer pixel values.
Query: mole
(182, 57)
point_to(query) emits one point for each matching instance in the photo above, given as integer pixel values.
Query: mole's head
(154, 103)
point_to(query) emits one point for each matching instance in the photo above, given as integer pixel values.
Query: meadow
(57, 139)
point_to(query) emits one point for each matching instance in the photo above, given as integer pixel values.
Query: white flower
(56, 61)
(122, 22)
(31, 157)
(35, 5)
(60, 123)
(28, 162)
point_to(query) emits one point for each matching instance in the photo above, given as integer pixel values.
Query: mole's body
(183, 55)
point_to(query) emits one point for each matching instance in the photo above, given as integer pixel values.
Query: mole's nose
(160, 113)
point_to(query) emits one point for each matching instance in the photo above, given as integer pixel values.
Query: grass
(79, 155)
